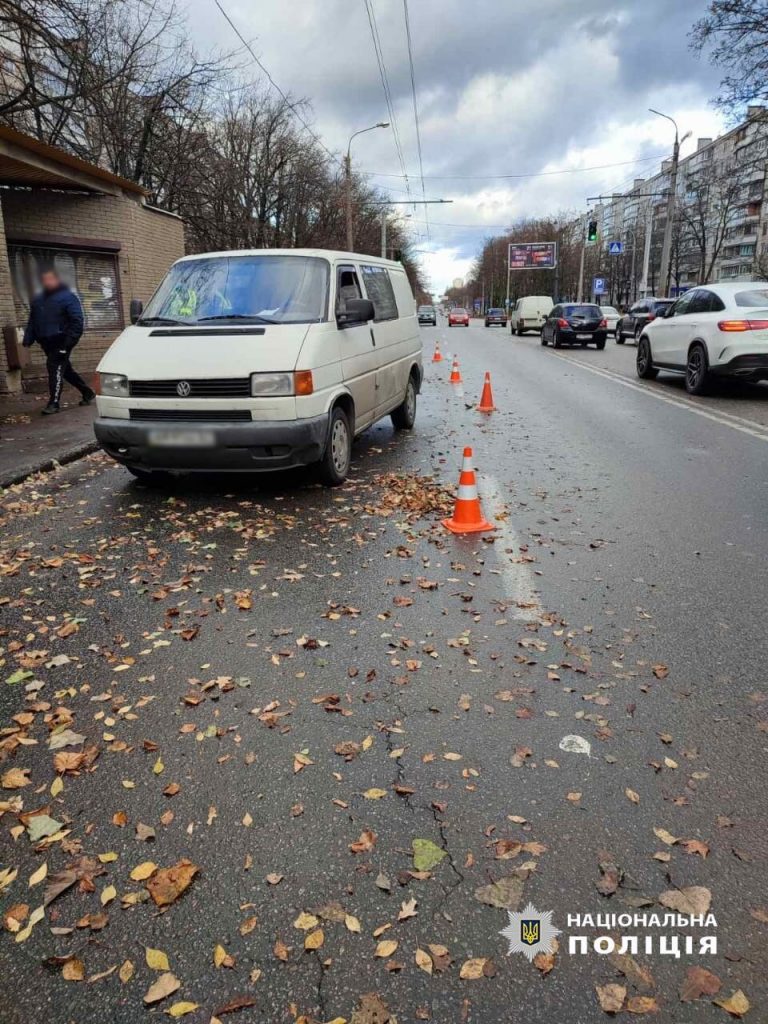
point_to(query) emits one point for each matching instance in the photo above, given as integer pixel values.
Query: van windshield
(259, 289)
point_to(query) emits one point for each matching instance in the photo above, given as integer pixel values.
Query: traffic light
(592, 231)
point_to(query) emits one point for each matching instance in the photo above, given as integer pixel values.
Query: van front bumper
(255, 446)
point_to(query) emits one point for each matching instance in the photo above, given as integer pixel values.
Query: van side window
(379, 290)
(347, 287)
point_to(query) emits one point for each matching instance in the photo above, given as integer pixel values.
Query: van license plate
(182, 438)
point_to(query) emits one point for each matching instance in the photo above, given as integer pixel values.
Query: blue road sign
(615, 248)
(598, 286)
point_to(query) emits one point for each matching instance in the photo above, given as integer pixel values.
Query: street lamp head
(383, 124)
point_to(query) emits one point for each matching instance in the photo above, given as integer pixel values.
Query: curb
(18, 476)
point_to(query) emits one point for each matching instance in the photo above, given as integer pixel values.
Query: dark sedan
(495, 318)
(427, 315)
(638, 316)
(575, 324)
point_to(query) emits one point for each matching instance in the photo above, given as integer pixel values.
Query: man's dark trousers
(60, 369)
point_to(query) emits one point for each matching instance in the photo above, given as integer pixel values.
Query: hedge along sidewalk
(32, 443)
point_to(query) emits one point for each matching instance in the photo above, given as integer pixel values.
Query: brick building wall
(149, 240)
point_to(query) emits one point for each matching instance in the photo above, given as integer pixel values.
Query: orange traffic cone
(437, 358)
(455, 377)
(467, 515)
(486, 399)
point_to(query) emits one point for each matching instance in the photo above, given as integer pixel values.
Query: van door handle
(373, 338)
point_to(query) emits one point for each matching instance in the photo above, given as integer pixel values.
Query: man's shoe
(87, 399)
(50, 409)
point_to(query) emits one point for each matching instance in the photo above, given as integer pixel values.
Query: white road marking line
(519, 580)
(724, 419)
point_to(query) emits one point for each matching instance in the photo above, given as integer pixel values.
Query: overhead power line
(415, 106)
(528, 174)
(387, 90)
(276, 87)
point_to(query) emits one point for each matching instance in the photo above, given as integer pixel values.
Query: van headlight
(114, 384)
(271, 385)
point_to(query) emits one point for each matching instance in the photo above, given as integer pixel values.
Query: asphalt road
(328, 675)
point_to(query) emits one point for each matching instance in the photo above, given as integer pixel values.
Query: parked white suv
(719, 330)
(261, 360)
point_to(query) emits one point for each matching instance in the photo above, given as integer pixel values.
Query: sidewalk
(30, 442)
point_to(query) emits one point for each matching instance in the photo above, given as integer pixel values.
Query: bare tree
(736, 34)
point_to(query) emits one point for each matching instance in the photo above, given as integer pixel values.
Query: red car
(458, 316)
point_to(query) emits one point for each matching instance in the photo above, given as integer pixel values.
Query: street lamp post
(348, 180)
(666, 249)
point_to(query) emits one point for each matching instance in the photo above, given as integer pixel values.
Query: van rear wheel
(404, 416)
(334, 465)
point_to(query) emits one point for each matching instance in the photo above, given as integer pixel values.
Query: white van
(261, 359)
(529, 313)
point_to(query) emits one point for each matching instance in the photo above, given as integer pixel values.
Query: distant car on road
(641, 313)
(717, 331)
(529, 313)
(573, 323)
(496, 317)
(612, 317)
(427, 315)
(458, 317)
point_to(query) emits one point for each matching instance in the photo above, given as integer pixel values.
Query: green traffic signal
(592, 231)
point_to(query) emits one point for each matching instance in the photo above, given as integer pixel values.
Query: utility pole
(580, 295)
(666, 249)
(647, 249)
(348, 182)
(383, 219)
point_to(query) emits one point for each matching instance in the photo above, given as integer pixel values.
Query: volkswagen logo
(183, 389)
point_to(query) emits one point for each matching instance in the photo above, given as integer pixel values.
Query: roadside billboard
(532, 255)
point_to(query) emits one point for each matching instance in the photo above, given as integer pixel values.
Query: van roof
(330, 254)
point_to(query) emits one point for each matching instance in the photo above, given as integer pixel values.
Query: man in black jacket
(56, 324)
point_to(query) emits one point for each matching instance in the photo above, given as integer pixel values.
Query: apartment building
(720, 228)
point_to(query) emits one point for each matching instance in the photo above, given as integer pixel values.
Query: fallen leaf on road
(156, 959)
(611, 997)
(694, 899)
(142, 871)
(632, 796)
(165, 985)
(15, 778)
(179, 1009)
(426, 854)
(73, 969)
(737, 1004)
(504, 893)
(167, 884)
(699, 982)
(365, 843)
(475, 968)
(642, 1004)
(423, 961)
(386, 948)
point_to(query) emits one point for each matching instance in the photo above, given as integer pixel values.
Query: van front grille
(221, 387)
(191, 415)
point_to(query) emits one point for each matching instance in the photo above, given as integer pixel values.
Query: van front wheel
(404, 416)
(334, 464)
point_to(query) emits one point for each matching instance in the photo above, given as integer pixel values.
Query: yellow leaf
(424, 961)
(473, 969)
(304, 922)
(352, 923)
(247, 820)
(736, 1004)
(56, 786)
(39, 875)
(35, 917)
(108, 894)
(156, 959)
(73, 969)
(374, 794)
(632, 796)
(179, 1009)
(127, 784)
(451, 756)
(386, 948)
(315, 939)
(665, 837)
(157, 768)
(219, 956)
(367, 743)
(126, 972)
(143, 870)
(108, 857)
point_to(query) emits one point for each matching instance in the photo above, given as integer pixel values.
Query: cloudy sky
(505, 87)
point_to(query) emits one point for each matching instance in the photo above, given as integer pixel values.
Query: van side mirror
(137, 308)
(358, 311)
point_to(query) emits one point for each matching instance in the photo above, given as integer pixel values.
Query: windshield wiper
(253, 317)
(159, 320)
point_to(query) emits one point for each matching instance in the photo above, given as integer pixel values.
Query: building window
(91, 275)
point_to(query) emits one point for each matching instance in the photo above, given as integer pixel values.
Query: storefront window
(92, 275)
